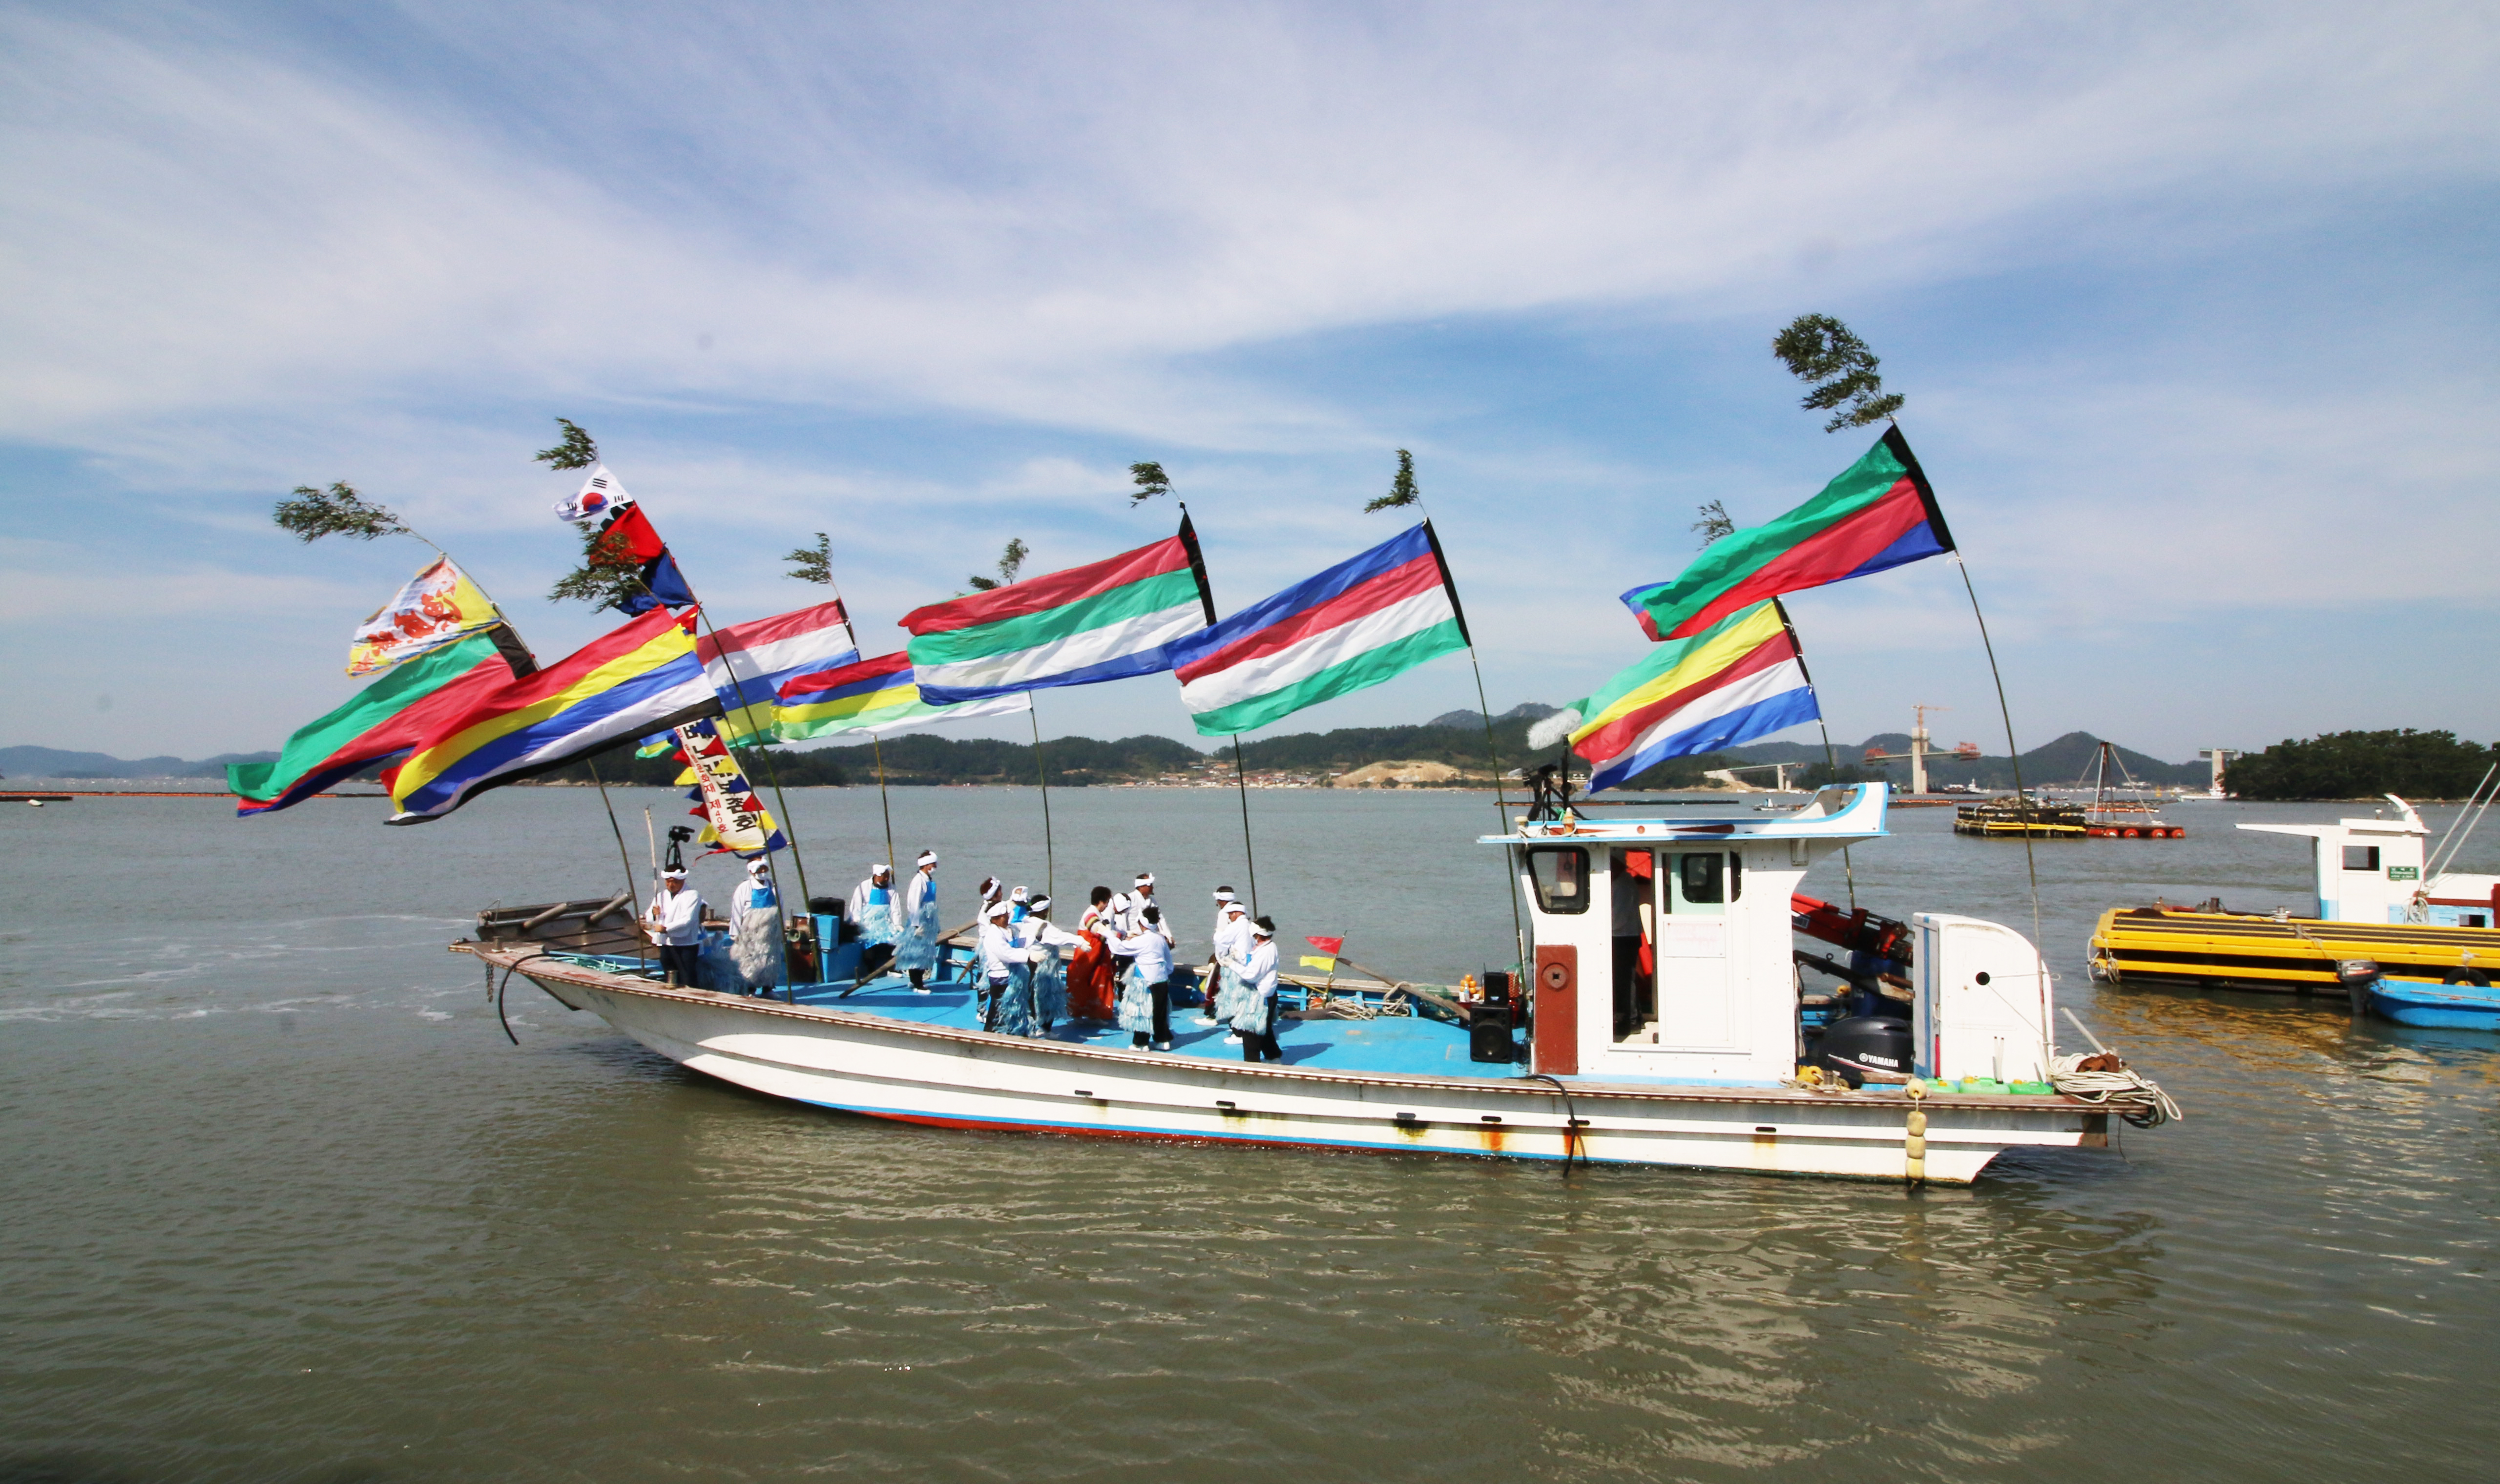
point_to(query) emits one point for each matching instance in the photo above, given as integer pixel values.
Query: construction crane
(1920, 750)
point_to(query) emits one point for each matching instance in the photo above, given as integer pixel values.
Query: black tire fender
(2473, 977)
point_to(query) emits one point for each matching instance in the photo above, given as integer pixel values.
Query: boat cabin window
(1560, 875)
(1706, 878)
(2360, 857)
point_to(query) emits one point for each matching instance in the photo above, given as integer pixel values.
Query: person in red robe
(1091, 974)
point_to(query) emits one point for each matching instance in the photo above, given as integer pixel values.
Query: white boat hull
(891, 1068)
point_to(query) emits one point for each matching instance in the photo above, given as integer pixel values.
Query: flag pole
(2013, 753)
(1501, 801)
(1241, 775)
(1830, 760)
(878, 747)
(1049, 857)
(1241, 781)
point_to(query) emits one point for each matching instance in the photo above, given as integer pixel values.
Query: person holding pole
(755, 929)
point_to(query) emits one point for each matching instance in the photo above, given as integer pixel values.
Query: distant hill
(2054, 764)
(53, 763)
(1455, 738)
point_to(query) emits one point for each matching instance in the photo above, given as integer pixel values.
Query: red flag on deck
(1331, 947)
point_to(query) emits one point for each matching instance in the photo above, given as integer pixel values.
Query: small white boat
(1664, 1026)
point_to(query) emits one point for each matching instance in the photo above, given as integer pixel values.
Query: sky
(2193, 306)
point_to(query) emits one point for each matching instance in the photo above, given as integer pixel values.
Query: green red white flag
(1877, 514)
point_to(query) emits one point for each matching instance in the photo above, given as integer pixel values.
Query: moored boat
(1661, 1026)
(2374, 903)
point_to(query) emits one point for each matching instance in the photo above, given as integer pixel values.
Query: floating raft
(2299, 956)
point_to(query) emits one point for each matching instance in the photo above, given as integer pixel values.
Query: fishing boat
(2378, 901)
(2440, 1007)
(1660, 1023)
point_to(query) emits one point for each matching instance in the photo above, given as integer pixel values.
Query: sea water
(281, 1203)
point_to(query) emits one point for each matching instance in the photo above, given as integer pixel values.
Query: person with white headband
(1256, 1016)
(916, 953)
(1146, 992)
(675, 921)
(755, 929)
(1052, 946)
(874, 914)
(1141, 895)
(1223, 986)
(1002, 1009)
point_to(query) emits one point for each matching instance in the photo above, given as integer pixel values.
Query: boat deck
(1396, 1045)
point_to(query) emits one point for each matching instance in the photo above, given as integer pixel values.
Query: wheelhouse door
(1696, 985)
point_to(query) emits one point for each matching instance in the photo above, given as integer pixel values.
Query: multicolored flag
(1739, 679)
(871, 695)
(749, 662)
(1365, 620)
(735, 820)
(641, 677)
(1878, 514)
(1106, 621)
(439, 606)
(383, 720)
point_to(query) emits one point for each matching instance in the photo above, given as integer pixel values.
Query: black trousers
(679, 960)
(1261, 1047)
(1160, 995)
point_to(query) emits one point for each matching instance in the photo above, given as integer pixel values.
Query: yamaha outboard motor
(1864, 1046)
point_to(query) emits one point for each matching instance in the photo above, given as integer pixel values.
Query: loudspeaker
(1497, 988)
(1488, 1034)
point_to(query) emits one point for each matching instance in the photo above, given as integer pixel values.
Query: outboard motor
(1863, 1046)
(2357, 976)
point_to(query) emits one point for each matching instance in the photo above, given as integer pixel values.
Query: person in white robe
(1006, 994)
(871, 909)
(1256, 1019)
(916, 953)
(1053, 945)
(1145, 1003)
(755, 930)
(1232, 943)
(675, 923)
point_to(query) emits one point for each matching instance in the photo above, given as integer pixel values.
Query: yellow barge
(2373, 903)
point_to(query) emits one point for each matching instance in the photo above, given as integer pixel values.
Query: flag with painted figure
(1104, 620)
(1368, 619)
(1740, 679)
(871, 695)
(749, 662)
(439, 606)
(735, 819)
(380, 722)
(1880, 513)
(641, 677)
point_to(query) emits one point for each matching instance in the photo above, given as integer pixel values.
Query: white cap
(995, 910)
(928, 857)
(1145, 878)
(880, 868)
(1019, 895)
(758, 866)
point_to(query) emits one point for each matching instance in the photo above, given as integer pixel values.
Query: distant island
(1449, 752)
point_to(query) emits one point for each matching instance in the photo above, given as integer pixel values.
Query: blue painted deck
(1393, 1044)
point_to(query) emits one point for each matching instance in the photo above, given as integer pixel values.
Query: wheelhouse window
(1560, 877)
(2360, 857)
(1704, 877)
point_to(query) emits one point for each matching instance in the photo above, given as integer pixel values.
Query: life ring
(2473, 977)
